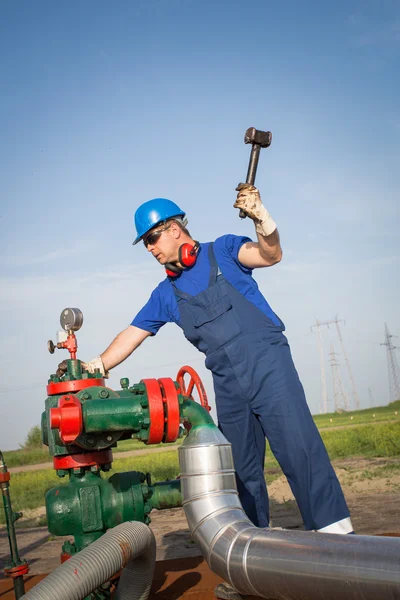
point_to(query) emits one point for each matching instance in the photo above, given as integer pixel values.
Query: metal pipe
(275, 563)
(196, 414)
(18, 568)
(129, 546)
(166, 494)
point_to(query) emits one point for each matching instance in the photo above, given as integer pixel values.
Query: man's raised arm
(267, 250)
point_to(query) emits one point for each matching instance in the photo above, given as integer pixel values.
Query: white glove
(249, 200)
(96, 364)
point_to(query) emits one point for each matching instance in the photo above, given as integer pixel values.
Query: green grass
(16, 458)
(360, 417)
(380, 440)
(19, 458)
(385, 471)
(28, 489)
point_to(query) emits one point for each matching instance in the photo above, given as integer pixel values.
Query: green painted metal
(74, 372)
(74, 367)
(11, 518)
(115, 414)
(166, 494)
(195, 413)
(89, 504)
(107, 417)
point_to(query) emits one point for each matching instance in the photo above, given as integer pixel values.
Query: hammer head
(255, 136)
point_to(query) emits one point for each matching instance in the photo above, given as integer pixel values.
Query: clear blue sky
(105, 105)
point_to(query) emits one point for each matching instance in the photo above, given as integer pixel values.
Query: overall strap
(214, 270)
(179, 294)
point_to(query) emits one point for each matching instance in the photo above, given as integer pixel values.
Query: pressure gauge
(71, 319)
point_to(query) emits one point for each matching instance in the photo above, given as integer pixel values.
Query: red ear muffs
(187, 256)
(172, 270)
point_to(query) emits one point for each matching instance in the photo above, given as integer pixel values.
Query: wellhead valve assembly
(83, 420)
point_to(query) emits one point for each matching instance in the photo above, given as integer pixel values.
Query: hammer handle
(253, 164)
(252, 170)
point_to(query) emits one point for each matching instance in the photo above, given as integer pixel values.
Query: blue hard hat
(151, 213)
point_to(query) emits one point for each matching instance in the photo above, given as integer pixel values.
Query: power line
(393, 367)
(338, 391)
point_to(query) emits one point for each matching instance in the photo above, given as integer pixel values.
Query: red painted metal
(4, 477)
(195, 381)
(87, 459)
(172, 416)
(17, 571)
(156, 411)
(64, 556)
(71, 344)
(67, 418)
(62, 387)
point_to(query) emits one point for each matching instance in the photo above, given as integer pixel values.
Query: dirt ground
(371, 487)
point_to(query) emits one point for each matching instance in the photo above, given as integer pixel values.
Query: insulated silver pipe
(130, 546)
(275, 563)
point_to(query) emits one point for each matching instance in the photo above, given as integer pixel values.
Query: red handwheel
(194, 381)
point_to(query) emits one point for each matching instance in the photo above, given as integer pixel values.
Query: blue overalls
(258, 394)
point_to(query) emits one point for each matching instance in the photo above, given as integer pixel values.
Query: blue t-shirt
(162, 306)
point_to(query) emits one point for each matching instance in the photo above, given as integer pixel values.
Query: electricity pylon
(324, 396)
(353, 386)
(393, 367)
(338, 391)
(318, 325)
(371, 398)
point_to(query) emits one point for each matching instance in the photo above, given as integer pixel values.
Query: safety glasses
(153, 237)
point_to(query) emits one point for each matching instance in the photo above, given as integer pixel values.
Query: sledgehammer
(258, 139)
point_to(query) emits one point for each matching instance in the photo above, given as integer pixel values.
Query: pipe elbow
(196, 414)
(274, 563)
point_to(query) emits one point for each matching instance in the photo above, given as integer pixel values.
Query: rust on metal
(125, 552)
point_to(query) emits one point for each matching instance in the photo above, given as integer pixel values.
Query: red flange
(172, 416)
(87, 459)
(4, 477)
(67, 418)
(17, 571)
(194, 381)
(62, 387)
(156, 411)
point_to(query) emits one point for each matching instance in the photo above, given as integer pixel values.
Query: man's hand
(62, 369)
(91, 367)
(249, 200)
(96, 365)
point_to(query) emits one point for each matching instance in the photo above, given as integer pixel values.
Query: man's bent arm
(124, 344)
(264, 253)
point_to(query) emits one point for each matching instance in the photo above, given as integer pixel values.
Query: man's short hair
(181, 222)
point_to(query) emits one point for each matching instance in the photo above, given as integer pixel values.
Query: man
(210, 293)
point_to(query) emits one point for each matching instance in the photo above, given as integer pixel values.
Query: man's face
(162, 243)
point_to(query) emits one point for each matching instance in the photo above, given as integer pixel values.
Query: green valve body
(80, 426)
(89, 505)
